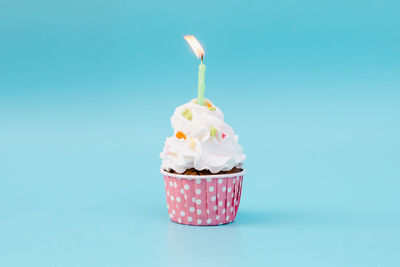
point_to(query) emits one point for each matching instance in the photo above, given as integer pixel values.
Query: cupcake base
(203, 199)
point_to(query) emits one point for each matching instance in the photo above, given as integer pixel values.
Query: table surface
(321, 189)
(86, 93)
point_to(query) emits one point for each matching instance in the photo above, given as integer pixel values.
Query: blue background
(86, 92)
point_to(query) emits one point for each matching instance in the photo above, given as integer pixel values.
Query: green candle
(201, 85)
(199, 51)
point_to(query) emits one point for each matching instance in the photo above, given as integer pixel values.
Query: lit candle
(198, 50)
(201, 87)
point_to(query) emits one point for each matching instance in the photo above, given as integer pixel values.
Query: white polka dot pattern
(212, 201)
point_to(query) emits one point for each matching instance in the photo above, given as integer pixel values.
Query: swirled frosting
(202, 140)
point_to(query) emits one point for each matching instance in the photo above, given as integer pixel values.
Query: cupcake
(202, 166)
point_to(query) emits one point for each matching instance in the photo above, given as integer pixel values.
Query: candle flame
(195, 45)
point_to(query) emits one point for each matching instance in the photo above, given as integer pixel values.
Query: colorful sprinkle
(223, 135)
(210, 107)
(187, 114)
(213, 131)
(180, 135)
(192, 143)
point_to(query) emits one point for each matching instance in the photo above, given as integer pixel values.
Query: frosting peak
(202, 140)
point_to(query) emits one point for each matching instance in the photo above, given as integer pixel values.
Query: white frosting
(202, 149)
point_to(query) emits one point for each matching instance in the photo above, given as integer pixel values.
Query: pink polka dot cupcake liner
(203, 199)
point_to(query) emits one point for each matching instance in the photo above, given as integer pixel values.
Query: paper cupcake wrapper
(203, 199)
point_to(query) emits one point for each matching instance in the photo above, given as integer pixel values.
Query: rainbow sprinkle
(213, 131)
(180, 135)
(187, 114)
(210, 107)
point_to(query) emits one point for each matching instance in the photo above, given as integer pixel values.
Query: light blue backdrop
(86, 92)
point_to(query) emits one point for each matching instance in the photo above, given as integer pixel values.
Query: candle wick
(202, 58)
